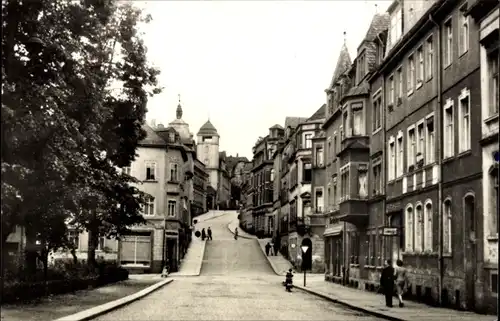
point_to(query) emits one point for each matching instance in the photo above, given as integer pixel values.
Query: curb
(113, 305)
(270, 262)
(351, 306)
(239, 235)
(202, 257)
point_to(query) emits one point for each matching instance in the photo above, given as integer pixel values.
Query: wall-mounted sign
(390, 231)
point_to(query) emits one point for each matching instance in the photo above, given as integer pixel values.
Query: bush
(65, 277)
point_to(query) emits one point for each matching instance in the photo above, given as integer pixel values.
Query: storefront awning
(334, 230)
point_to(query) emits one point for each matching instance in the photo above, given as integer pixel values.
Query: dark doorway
(210, 202)
(470, 249)
(172, 254)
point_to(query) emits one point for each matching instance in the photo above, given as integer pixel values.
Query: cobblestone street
(237, 283)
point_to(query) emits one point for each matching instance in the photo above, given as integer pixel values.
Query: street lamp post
(304, 251)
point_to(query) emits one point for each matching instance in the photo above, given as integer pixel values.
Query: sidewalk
(191, 264)
(375, 304)
(234, 224)
(279, 264)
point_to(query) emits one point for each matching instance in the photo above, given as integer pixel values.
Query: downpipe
(439, 156)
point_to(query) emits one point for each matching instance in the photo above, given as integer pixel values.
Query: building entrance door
(397, 242)
(470, 250)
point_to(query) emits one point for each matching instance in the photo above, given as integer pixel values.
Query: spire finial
(376, 8)
(345, 37)
(179, 108)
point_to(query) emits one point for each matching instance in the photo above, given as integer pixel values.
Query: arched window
(409, 229)
(447, 236)
(428, 216)
(470, 215)
(419, 228)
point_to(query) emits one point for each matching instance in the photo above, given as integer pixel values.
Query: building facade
(200, 182)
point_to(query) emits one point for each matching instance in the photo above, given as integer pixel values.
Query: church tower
(207, 151)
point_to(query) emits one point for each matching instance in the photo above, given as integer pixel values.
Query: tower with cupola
(207, 151)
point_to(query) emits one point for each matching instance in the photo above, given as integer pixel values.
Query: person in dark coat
(268, 248)
(387, 282)
(276, 246)
(203, 234)
(209, 232)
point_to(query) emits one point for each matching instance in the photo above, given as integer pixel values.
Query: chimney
(236, 155)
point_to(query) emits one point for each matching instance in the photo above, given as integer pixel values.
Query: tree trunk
(44, 256)
(75, 258)
(92, 245)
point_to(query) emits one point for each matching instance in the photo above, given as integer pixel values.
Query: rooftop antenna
(345, 37)
(179, 95)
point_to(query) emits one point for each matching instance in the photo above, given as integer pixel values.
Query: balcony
(354, 211)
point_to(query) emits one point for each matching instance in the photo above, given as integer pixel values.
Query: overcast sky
(248, 64)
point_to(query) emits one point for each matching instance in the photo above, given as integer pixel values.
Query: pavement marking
(113, 305)
(349, 305)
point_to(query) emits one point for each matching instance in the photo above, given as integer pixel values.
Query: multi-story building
(165, 167)
(224, 181)
(262, 191)
(245, 216)
(485, 14)
(235, 167)
(200, 182)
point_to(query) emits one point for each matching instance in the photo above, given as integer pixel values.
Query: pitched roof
(207, 129)
(343, 64)
(319, 114)
(380, 22)
(362, 89)
(293, 122)
(152, 138)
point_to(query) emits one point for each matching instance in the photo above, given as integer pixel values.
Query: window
(361, 66)
(74, 238)
(428, 216)
(319, 156)
(448, 46)
(449, 137)
(430, 57)
(335, 145)
(271, 178)
(307, 177)
(420, 69)
(410, 156)
(346, 125)
(357, 117)
(335, 193)
(396, 27)
(464, 31)
(377, 178)
(362, 183)
(171, 137)
(399, 74)
(420, 141)
(400, 156)
(464, 132)
(372, 248)
(493, 211)
(344, 181)
(354, 245)
(377, 113)
(100, 243)
(174, 174)
(409, 229)
(447, 227)
(150, 171)
(419, 228)
(319, 199)
(430, 139)
(391, 90)
(308, 141)
(470, 215)
(391, 162)
(171, 208)
(493, 80)
(149, 205)
(411, 74)
(127, 170)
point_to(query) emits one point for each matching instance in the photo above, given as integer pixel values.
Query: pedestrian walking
(209, 233)
(271, 248)
(236, 233)
(276, 246)
(402, 282)
(203, 234)
(387, 282)
(268, 247)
